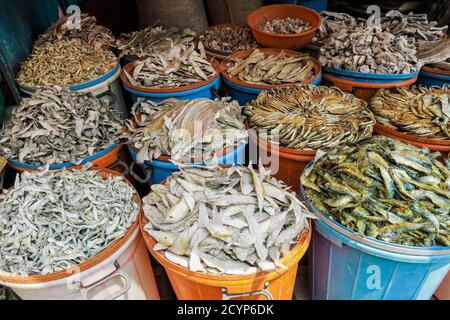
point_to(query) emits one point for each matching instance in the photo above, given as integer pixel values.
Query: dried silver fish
(286, 25)
(229, 39)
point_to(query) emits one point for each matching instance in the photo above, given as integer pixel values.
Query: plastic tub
(285, 41)
(162, 168)
(244, 92)
(433, 77)
(347, 266)
(204, 89)
(443, 292)
(121, 271)
(318, 5)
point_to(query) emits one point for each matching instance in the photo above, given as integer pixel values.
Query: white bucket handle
(84, 289)
(264, 292)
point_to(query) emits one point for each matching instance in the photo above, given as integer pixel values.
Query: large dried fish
(229, 39)
(286, 25)
(197, 128)
(310, 117)
(228, 221)
(332, 22)
(64, 63)
(419, 111)
(272, 69)
(385, 189)
(55, 125)
(51, 221)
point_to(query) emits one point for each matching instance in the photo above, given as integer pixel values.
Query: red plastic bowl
(284, 41)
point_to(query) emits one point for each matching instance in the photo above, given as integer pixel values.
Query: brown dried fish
(229, 39)
(332, 22)
(286, 25)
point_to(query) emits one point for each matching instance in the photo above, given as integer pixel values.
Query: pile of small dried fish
(271, 69)
(230, 221)
(420, 111)
(151, 40)
(333, 22)
(310, 117)
(88, 32)
(286, 25)
(51, 221)
(181, 128)
(229, 39)
(385, 189)
(181, 66)
(56, 126)
(369, 50)
(64, 63)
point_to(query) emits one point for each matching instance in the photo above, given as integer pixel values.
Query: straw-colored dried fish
(419, 111)
(286, 25)
(56, 126)
(271, 69)
(151, 40)
(385, 189)
(369, 50)
(64, 63)
(310, 117)
(197, 128)
(332, 22)
(229, 221)
(87, 32)
(229, 39)
(51, 221)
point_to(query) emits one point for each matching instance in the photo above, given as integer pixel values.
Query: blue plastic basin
(369, 77)
(431, 79)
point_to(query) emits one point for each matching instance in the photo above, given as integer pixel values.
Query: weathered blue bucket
(430, 79)
(318, 5)
(161, 170)
(381, 78)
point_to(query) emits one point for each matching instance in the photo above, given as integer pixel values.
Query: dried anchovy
(259, 68)
(154, 40)
(419, 111)
(384, 189)
(51, 221)
(88, 32)
(286, 25)
(64, 63)
(229, 39)
(55, 125)
(224, 221)
(181, 66)
(171, 128)
(369, 50)
(310, 117)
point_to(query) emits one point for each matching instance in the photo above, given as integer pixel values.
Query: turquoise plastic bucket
(161, 170)
(431, 79)
(380, 78)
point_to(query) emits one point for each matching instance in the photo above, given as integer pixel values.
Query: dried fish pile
(385, 189)
(229, 39)
(435, 54)
(419, 111)
(286, 25)
(310, 117)
(226, 221)
(52, 221)
(181, 66)
(151, 40)
(88, 32)
(332, 22)
(369, 50)
(55, 126)
(181, 128)
(64, 63)
(271, 69)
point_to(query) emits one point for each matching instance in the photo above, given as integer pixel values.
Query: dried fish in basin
(55, 125)
(310, 117)
(51, 221)
(271, 69)
(332, 22)
(64, 63)
(286, 25)
(419, 111)
(197, 128)
(229, 39)
(224, 221)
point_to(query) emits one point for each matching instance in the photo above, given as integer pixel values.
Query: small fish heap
(64, 63)
(419, 111)
(55, 125)
(310, 117)
(51, 221)
(369, 50)
(181, 129)
(224, 221)
(151, 40)
(229, 39)
(286, 25)
(271, 69)
(384, 189)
